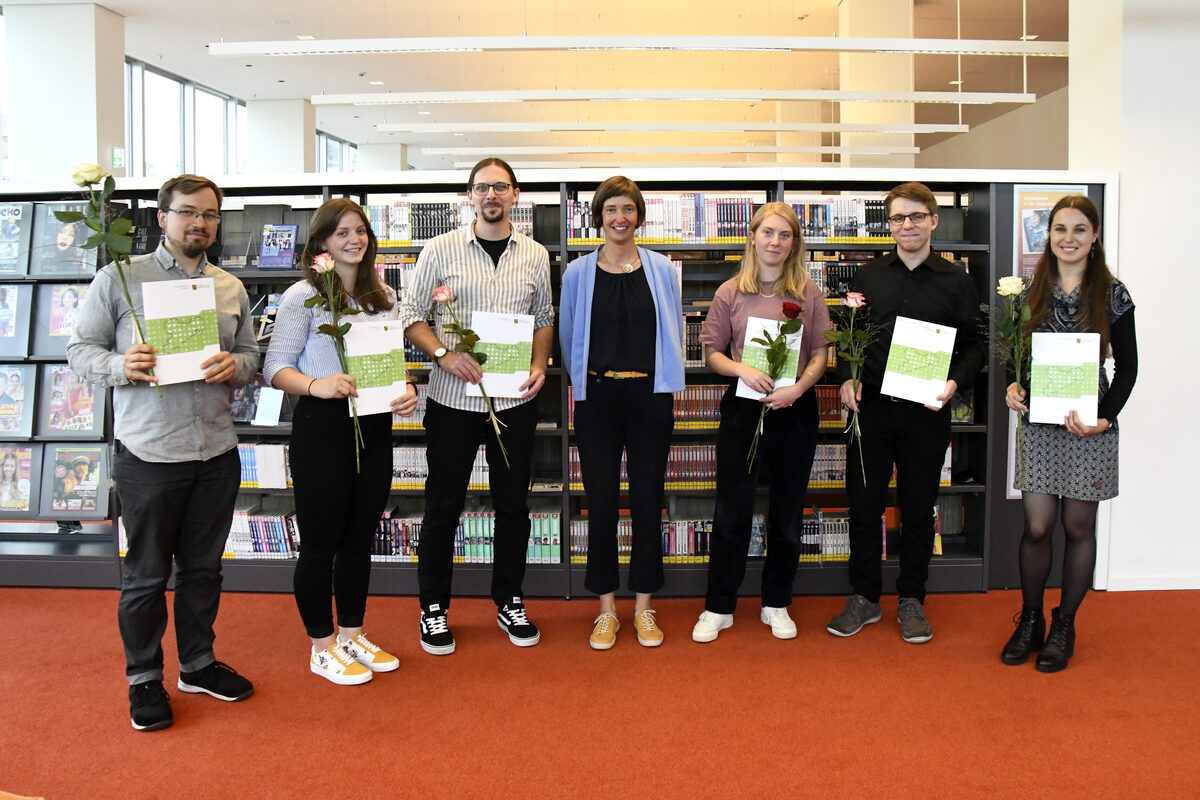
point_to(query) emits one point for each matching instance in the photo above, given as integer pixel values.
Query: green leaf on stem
(93, 241)
(833, 336)
(121, 226)
(343, 329)
(470, 340)
(110, 186)
(93, 223)
(118, 244)
(480, 358)
(760, 340)
(69, 216)
(315, 300)
(328, 330)
(1025, 313)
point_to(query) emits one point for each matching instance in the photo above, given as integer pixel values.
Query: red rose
(791, 310)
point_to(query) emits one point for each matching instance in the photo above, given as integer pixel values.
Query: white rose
(85, 174)
(1010, 286)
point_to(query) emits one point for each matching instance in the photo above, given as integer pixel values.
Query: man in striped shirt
(488, 266)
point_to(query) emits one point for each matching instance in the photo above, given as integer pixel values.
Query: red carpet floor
(745, 716)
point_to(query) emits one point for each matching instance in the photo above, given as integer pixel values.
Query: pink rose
(442, 294)
(855, 299)
(322, 263)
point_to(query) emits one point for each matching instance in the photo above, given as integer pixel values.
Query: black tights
(1037, 550)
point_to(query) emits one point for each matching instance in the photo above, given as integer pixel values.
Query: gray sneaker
(913, 625)
(859, 611)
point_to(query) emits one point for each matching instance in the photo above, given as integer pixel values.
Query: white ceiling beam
(672, 127)
(584, 150)
(667, 96)
(476, 44)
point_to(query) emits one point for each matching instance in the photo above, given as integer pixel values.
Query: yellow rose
(86, 174)
(1010, 286)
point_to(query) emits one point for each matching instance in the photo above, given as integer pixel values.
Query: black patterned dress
(1057, 461)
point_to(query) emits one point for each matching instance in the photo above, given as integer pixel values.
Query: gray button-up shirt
(191, 421)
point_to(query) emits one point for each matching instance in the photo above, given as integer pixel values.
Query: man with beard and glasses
(175, 460)
(488, 266)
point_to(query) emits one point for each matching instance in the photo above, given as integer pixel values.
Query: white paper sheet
(1065, 377)
(180, 321)
(270, 403)
(755, 354)
(375, 352)
(508, 341)
(918, 361)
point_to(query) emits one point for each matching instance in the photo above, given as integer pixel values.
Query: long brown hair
(1093, 291)
(793, 277)
(368, 291)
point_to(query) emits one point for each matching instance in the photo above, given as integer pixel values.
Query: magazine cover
(57, 247)
(64, 306)
(16, 222)
(75, 479)
(15, 309)
(70, 407)
(16, 400)
(18, 479)
(278, 246)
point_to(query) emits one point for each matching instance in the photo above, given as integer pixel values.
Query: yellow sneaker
(335, 664)
(367, 653)
(604, 635)
(648, 632)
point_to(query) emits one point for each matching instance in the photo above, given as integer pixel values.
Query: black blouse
(623, 323)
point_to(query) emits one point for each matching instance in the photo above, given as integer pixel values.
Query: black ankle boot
(1060, 643)
(1028, 638)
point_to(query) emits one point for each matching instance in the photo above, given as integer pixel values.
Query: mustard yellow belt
(608, 373)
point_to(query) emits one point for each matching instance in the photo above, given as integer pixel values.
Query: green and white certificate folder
(375, 355)
(508, 341)
(181, 324)
(918, 361)
(755, 354)
(1064, 377)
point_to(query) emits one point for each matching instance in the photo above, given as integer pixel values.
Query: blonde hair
(793, 278)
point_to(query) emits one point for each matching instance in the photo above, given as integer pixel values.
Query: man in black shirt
(911, 282)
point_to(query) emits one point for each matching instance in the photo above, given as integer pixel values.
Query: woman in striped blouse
(338, 506)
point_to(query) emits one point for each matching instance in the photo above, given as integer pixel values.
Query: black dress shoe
(1028, 638)
(1060, 643)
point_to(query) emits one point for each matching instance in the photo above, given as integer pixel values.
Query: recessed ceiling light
(1029, 37)
(456, 133)
(425, 113)
(305, 37)
(956, 83)
(376, 83)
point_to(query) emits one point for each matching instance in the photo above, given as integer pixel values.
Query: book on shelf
(16, 310)
(56, 248)
(17, 393)
(277, 249)
(408, 223)
(257, 403)
(684, 218)
(75, 481)
(16, 227)
(20, 480)
(69, 407)
(844, 219)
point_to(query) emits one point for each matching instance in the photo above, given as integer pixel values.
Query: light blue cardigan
(575, 320)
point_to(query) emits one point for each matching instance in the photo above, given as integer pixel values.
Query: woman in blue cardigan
(621, 331)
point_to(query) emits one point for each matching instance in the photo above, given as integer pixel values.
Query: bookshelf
(980, 556)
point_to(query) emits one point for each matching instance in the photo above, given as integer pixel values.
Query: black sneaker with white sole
(219, 680)
(516, 624)
(149, 706)
(436, 638)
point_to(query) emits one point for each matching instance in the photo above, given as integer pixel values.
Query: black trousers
(624, 415)
(452, 437)
(172, 511)
(787, 445)
(337, 509)
(914, 439)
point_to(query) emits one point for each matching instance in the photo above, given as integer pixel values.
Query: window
(210, 134)
(334, 154)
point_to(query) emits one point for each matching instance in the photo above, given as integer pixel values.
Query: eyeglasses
(481, 189)
(192, 215)
(916, 218)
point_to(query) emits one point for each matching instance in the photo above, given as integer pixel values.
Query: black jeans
(337, 509)
(914, 439)
(179, 511)
(452, 437)
(624, 415)
(787, 445)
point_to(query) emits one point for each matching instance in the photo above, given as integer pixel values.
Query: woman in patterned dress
(1069, 468)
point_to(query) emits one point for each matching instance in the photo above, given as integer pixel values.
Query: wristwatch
(437, 354)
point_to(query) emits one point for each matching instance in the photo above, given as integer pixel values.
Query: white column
(65, 65)
(281, 136)
(879, 73)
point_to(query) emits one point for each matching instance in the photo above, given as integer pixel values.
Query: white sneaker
(335, 664)
(781, 624)
(710, 625)
(369, 654)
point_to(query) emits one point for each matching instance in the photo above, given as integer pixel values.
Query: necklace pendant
(627, 267)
